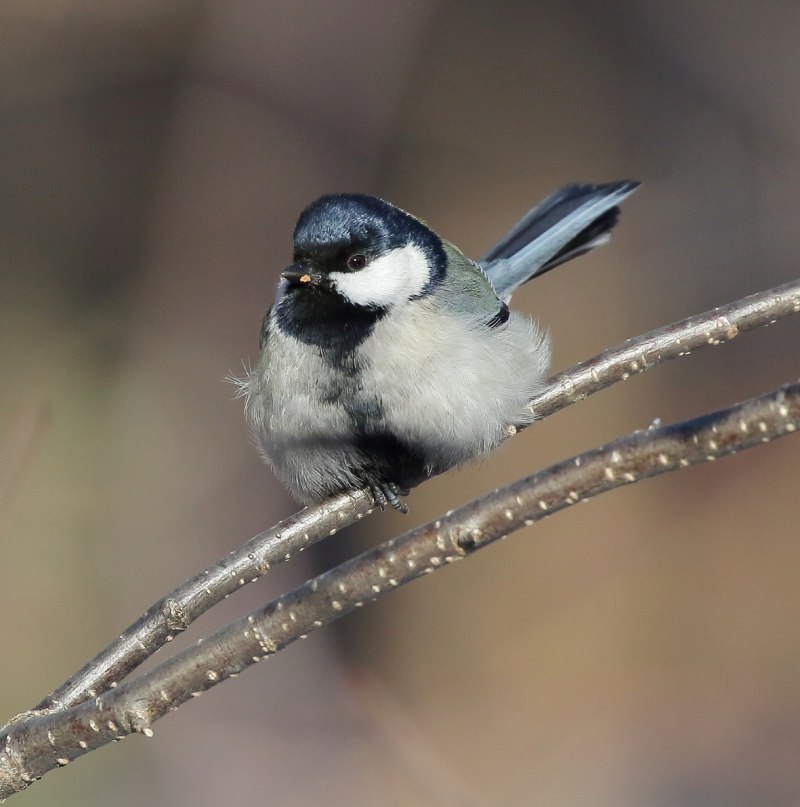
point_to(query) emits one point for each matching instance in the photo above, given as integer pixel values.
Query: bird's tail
(566, 224)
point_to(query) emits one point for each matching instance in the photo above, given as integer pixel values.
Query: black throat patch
(330, 323)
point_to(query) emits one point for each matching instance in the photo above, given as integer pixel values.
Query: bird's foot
(384, 493)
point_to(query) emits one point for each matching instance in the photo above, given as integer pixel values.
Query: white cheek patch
(388, 280)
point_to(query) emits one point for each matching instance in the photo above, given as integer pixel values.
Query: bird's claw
(384, 493)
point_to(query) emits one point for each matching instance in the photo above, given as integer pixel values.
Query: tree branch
(36, 744)
(634, 356)
(178, 609)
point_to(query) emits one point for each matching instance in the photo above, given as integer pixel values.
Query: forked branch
(178, 609)
(38, 743)
(87, 711)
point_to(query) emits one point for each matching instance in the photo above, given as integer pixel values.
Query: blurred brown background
(640, 650)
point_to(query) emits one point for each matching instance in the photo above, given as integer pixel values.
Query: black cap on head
(340, 223)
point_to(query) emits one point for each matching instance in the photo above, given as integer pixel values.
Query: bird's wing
(467, 290)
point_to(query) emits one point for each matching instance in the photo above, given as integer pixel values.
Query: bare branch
(36, 744)
(178, 609)
(644, 352)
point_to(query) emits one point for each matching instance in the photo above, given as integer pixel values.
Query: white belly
(450, 391)
(451, 384)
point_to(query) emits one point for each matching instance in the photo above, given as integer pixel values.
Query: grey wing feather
(566, 224)
(469, 290)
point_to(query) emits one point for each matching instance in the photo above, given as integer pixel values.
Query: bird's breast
(448, 382)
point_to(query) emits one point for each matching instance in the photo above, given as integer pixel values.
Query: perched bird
(388, 356)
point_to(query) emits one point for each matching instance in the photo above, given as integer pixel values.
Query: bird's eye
(357, 261)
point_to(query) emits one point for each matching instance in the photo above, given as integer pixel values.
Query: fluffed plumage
(388, 356)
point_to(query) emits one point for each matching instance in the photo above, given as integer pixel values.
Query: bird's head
(365, 251)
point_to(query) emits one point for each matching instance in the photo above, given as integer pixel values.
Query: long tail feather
(568, 223)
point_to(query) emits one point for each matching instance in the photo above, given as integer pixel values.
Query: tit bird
(388, 356)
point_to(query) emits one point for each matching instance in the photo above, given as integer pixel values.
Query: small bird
(388, 356)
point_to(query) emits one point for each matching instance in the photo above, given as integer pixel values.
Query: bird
(388, 356)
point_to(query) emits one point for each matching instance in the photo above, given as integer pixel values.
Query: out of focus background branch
(153, 159)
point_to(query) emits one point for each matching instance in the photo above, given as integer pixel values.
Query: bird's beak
(299, 275)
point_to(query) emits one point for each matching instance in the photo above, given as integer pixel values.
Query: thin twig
(36, 744)
(178, 609)
(644, 352)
